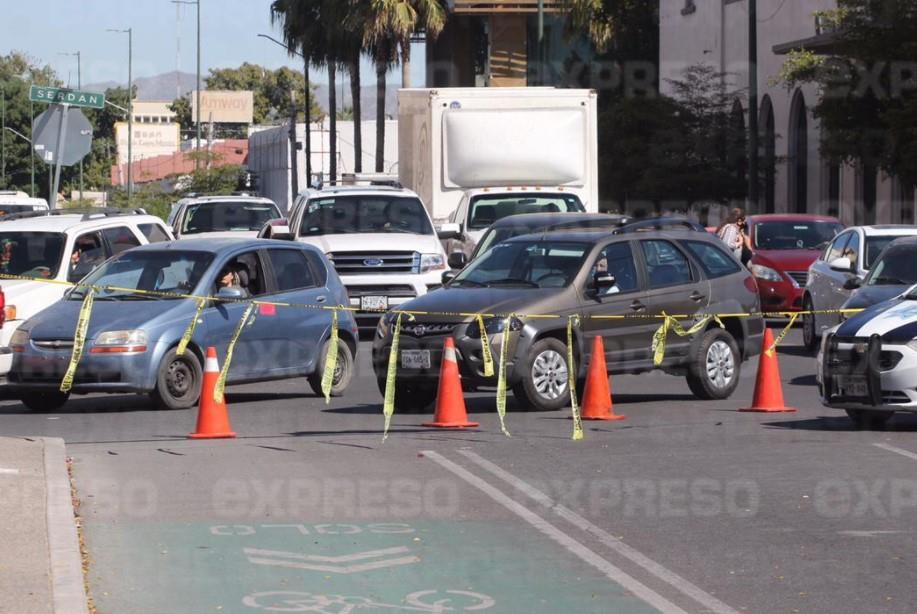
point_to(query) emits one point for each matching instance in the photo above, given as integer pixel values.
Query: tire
(178, 381)
(810, 338)
(343, 372)
(411, 396)
(868, 420)
(713, 373)
(43, 400)
(544, 385)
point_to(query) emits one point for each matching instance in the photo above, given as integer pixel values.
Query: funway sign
(56, 95)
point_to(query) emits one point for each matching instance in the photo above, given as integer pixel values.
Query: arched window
(769, 151)
(798, 156)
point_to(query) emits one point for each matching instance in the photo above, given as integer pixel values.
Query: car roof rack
(87, 213)
(659, 223)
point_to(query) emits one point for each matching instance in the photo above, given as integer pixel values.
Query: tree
(868, 85)
(398, 20)
(384, 52)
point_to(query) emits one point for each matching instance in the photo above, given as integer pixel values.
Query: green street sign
(56, 95)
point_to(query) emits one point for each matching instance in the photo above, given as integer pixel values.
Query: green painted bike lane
(429, 566)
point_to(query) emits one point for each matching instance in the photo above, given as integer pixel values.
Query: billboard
(224, 107)
(149, 140)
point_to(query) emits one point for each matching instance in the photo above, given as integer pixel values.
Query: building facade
(798, 178)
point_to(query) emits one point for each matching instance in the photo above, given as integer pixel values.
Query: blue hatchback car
(132, 337)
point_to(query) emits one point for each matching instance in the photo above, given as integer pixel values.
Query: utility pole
(294, 167)
(79, 85)
(197, 94)
(130, 111)
(753, 106)
(541, 70)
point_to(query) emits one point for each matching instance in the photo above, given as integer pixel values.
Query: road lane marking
(669, 577)
(296, 560)
(582, 552)
(890, 448)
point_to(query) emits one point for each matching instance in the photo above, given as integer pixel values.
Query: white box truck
(475, 155)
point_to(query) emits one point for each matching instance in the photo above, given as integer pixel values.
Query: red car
(783, 247)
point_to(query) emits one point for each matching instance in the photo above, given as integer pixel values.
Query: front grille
(382, 290)
(800, 277)
(427, 329)
(354, 263)
(54, 344)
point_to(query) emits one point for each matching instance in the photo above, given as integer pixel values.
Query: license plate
(415, 359)
(375, 303)
(851, 386)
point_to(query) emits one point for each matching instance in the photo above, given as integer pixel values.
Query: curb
(68, 590)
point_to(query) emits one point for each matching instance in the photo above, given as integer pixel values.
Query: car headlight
(493, 326)
(432, 262)
(19, 339)
(115, 341)
(765, 272)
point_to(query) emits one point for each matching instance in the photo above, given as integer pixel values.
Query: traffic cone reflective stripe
(212, 417)
(768, 388)
(597, 403)
(450, 403)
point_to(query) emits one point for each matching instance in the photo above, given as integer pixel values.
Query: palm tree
(398, 20)
(383, 49)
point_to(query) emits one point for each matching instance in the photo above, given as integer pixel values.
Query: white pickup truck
(380, 239)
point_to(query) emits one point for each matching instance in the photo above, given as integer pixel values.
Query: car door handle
(321, 299)
(696, 296)
(638, 306)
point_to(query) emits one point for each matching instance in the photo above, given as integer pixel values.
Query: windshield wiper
(470, 282)
(512, 280)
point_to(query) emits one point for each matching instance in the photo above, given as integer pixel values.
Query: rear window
(714, 261)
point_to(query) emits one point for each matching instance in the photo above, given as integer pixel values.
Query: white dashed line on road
(669, 577)
(890, 448)
(582, 552)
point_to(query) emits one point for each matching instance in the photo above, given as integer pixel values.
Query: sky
(44, 29)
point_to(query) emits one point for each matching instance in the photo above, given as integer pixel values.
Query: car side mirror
(457, 260)
(449, 231)
(853, 283)
(603, 281)
(841, 265)
(232, 294)
(448, 276)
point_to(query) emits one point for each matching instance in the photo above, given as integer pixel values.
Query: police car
(867, 365)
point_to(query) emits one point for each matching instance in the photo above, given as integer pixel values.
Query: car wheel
(544, 385)
(809, 335)
(178, 382)
(44, 400)
(343, 370)
(714, 369)
(868, 420)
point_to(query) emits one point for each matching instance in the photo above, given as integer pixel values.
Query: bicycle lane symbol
(428, 601)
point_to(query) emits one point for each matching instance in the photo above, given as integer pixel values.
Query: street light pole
(197, 93)
(130, 111)
(753, 105)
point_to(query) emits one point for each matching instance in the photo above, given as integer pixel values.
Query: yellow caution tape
(571, 380)
(772, 349)
(79, 341)
(331, 360)
(485, 348)
(192, 325)
(388, 405)
(659, 337)
(221, 381)
(501, 375)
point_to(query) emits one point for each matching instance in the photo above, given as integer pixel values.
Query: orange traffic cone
(768, 389)
(450, 404)
(212, 417)
(597, 403)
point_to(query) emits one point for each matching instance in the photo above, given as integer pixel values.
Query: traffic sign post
(74, 98)
(61, 136)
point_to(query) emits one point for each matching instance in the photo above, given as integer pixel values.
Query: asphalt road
(685, 506)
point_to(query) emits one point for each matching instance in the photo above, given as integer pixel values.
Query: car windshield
(31, 254)
(151, 271)
(486, 209)
(228, 216)
(365, 214)
(533, 264)
(894, 267)
(874, 247)
(795, 234)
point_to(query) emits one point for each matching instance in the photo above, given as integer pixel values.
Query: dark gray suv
(589, 273)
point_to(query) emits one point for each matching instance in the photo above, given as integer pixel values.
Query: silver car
(840, 270)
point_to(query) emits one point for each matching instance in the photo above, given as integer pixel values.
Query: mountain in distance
(166, 86)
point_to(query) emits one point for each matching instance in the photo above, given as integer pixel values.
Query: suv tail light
(751, 284)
